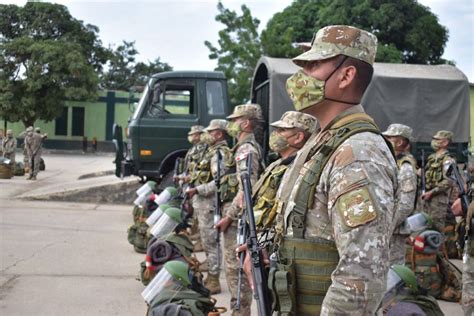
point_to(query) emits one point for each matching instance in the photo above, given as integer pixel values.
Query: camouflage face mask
(208, 139)
(277, 142)
(191, 139)
(234, 129)
(304, 90)
(435, 144)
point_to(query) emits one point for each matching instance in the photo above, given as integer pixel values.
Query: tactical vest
(193, 157)
(434, 170)
(310, 262)
(265, 195)
(229, 181)
(406, 158)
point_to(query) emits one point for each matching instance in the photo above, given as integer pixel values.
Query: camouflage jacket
(241, 151)
(193, 156)
(8, 145)
(207, 189)
(353, 206)
(407, 186)
(33, 144)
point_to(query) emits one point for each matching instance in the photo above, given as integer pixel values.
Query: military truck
(425, 97)
(157, 131)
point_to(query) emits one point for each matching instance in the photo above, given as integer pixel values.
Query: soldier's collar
(356, 109)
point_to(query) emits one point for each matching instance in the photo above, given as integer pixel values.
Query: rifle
(258, 269)
(423, 176)
(218, 209)
(176, 171)
(241, 235)
(453, 173)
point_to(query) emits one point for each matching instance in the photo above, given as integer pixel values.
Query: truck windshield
(143, 99)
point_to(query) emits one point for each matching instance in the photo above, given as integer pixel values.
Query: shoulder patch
(356, 208)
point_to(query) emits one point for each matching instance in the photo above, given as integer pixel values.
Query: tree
(238, 50)
(123, 72)
(46, 57)
(407, 31)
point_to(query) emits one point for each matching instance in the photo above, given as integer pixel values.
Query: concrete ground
(67, 258)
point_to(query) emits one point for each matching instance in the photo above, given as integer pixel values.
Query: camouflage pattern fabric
(9, 147)
(336, 40)
(467, 299)
(353, 206)
(406, 195)
(232, 270)
(33, 145)
(438, 182)
(248, 110)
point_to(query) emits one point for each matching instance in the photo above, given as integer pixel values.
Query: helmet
(167, 223)
(404, 274)
(173, 277)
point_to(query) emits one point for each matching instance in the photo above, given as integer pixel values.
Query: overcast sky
(175, 30)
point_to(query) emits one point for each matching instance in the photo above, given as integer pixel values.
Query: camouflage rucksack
(196, 303)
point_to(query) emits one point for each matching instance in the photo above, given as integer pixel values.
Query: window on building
(61, 123)
(77, 121)
(215, 98)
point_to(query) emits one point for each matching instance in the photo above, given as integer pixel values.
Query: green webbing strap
(304, 196)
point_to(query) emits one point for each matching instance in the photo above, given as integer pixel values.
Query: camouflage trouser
(35, 164)
(467, 299)
(232, 273)
(437, 208)
(204, 210)
(26, 159)
(397, 249)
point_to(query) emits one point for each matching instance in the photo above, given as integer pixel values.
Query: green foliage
(238, 50)
(407, 31)
(46, 57)
(123, 72)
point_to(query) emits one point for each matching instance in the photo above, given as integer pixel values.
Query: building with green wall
(84, 119)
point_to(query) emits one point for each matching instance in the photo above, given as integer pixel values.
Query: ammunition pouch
(304, 275)
(229, 187)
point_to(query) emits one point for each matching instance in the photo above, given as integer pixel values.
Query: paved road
(65, 258)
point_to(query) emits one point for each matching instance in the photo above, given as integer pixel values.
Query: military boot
(29, 177)
(212, 283)
(33, 178)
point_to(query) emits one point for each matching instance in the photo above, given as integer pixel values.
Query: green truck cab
(171, 103)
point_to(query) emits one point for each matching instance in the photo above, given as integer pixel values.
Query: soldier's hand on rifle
(427, 195)
(186, 179)
(191, 192)
(456, 208)
(224, 223)
(247, 264)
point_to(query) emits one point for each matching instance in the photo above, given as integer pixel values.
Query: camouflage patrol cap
(336, 40)
(399, 130)
(216, 124)
(292, 119)
(9, 132)
(196, 129)
(443, 135)
(29, 129)
(37, 129)
(250, 110)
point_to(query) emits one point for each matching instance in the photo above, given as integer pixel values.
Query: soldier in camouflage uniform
(9, 146)
(290, 134)
(203, 196)
(243, 121)
(26, 159)
(191, 160)
(399, 135)
(333, 227)
(33, 145)
(438, 185)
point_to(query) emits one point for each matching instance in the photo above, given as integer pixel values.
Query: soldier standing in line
(192, 158)
(243, 121)
(399, 135)
(290, 134)
(438, 185)
(26, 159)
(203, 196)
(33, 145)
(333, 228)
(9, 148)
(1, 142)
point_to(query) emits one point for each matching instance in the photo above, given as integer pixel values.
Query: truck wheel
(166, 181)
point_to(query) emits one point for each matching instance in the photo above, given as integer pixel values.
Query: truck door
(171, 111)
